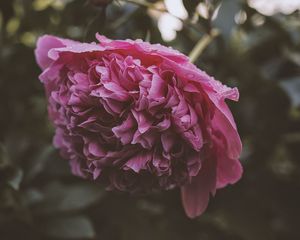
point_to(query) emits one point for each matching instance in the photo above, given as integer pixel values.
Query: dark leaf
(16, 179)
(292, 88)
(39, 162)
(77, 227)
(65, 198)
(293, 56)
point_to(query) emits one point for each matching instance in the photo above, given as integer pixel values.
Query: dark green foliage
(40, 199)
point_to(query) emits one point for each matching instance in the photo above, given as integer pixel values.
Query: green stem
(151, 6)
(145, 4)
(202, 44)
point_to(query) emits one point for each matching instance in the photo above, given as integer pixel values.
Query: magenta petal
(126, 130)
(138, 162)
(229, 171)
(194, 137)
(233, 141)
(145, 47)
(195, 195)
(44, 44)
(194, 164)
(95, 149)
(96, 173)
(167, 140)
(157, 87)
(143, 122)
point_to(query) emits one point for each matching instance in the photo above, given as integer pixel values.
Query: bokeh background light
(271, 7)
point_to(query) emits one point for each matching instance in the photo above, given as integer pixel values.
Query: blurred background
(257, 50)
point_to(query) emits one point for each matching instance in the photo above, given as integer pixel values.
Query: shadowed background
(258, 51)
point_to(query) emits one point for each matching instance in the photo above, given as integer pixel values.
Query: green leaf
(16, 179)
(31, 197)
(39, 162)
(77, 227)
(292, 55)
(292, 88)
(65, 198)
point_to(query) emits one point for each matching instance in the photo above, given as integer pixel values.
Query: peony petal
(157, 87)
(139, 161)
(44, 44)
(126, 130)
(234, 145)
(143, 47)
(95, 149)
(168, 141)
(195, 195)
(229, 171)
(143, 122)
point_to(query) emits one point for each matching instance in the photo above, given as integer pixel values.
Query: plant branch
(145, 4)
(202, 44)
(152, 6)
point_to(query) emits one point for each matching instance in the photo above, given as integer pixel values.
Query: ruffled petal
(47, 43)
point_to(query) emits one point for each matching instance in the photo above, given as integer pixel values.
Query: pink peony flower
(140, 117)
